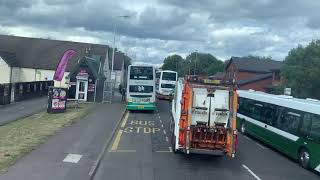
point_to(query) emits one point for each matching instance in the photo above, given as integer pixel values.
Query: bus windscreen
(169, 76)
(141, 73)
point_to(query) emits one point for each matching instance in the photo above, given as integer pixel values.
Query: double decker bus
(141, 88)
(290, 125)
(165, 83)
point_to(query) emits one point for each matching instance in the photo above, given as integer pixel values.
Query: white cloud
(160, 28)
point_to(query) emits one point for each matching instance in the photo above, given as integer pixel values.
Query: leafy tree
(301, 70)
(174, 63)
(260, 57)
(195, 63)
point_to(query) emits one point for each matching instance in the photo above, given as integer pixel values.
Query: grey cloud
(16, 4)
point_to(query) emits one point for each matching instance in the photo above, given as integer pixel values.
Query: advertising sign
(57, 100)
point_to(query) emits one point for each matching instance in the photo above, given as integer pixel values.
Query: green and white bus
(141, 88)
(290, 125)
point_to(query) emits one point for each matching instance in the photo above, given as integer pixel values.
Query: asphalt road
(140, 150)
(12, 112)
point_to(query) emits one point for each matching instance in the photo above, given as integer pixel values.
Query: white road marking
(246, 137)
(161, 125)
(123, 151)
(160, 120)
(170, 149)
(163, 151)
(260, 145)
(72, 158)
(251, 172)
(167, 139)
(164, 132)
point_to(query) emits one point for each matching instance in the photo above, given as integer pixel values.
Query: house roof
(44, 53)
(9, 58)
(253, 64)
(93, 65)
(254, 79)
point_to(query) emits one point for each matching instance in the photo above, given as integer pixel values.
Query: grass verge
(22, 136)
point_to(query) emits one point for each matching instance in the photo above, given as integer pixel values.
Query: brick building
(253, 73)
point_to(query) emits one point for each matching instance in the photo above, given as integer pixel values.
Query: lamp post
(195, 63)
(114, 46)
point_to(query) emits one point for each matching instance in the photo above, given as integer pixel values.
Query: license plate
(140, 107)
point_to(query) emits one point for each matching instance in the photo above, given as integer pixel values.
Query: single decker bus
(290, 125)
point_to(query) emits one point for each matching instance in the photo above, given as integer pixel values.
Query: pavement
(17, 110)
(78, 145)
(140, 150)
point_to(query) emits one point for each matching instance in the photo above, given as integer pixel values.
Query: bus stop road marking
(251, 172)
(116, 141)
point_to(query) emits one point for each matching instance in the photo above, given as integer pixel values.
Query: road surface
(141, 150)
(12, 112)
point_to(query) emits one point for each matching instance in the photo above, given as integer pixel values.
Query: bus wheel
(243, 128)
(304, 158)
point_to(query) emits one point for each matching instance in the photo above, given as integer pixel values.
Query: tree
(204, 64)
(195, 63)
(173, 63)
(260, 57)
(301, 70)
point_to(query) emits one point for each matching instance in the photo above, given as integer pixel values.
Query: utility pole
(195, 63)
(114, 46)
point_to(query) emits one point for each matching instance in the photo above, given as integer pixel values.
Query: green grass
(21, 137)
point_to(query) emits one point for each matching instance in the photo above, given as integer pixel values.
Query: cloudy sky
(158, 28)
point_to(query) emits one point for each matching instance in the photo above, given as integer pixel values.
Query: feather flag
(58, 75)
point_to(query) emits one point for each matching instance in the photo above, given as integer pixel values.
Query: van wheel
(243, 128)
(304, 158)
(173, 143)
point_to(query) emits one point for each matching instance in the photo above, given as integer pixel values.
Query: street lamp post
(195, 64)
(114, 46)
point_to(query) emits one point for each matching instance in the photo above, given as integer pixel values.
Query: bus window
(269, 114)
(315, 128)
(169, 76)
(290, 122)
(256, 114)
(141, 73)
(305, 125)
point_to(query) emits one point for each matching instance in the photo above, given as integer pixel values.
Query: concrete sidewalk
(22, 109)
(86, 138)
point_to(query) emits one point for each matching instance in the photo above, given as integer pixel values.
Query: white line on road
(162, 125)
(72, 158)
(170, 149)
(262, 147)
(246, 137)
(167, 139)
(160, 120)
(164, 132)
(123, 151)
(251, 172)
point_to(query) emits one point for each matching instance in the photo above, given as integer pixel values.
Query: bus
(141, 88)
(287, 124)
(165, 84)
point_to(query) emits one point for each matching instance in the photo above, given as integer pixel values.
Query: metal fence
(23, 90)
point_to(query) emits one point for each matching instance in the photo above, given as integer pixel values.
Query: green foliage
(260, 57)
(301, 70)
(195, 63)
